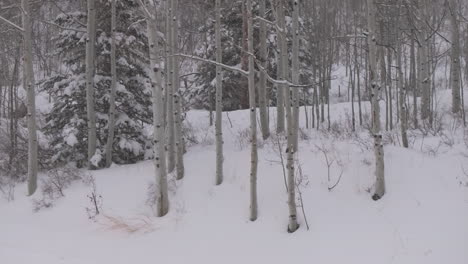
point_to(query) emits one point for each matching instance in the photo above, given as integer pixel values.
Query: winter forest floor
(422, 218)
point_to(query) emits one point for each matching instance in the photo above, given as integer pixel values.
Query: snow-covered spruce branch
(12, 24)
(66, 14)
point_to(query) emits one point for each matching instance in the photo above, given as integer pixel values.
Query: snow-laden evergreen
(66, 122)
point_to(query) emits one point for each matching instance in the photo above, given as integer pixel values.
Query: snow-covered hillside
(422, 218)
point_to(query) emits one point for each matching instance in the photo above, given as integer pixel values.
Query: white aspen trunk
(424, 82)
(253, 116)
(219, 98)
(171, 161)
(158, 119)
(292, 225)
(424, 75)
(281, 38)
(179, 143)
(262, 94)
(402, 94)
(413, 83)
(389, 81)
(352, 84)
(383, 81)
(28, 76)
(90, 70)
(378, 147)
(295, 73)
(358, 75)
(111, 125)
(291, 127)
(455, 56)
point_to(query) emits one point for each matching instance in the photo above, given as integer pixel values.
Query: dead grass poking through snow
(140, 224)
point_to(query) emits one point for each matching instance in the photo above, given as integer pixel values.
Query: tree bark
(171, 149)
(219, 98)
(281, 38)
(424, 74)
(295, 72)
(158, 117)
(179, 141)
(30, 90)
(378, 147)
(455, 56)
(90, 71)
(262, 95)
(402, 94)
(292, 128)
(414, 86)
(253, 116)
(111, 125)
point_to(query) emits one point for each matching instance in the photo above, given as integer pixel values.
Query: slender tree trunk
(455, 56)
(378, 146)
(292, 225)
(171, 148)
(291, 131)
(219, 98)
(414, 86)
(90, 71)
(424, 82)
(30, 91)
(323, 87)
(424, 75)
(351, 84)
(402, 94)
(384, 83)
(158, 117)
(295, 72)
(281, 33)
(389, 81)
(262, 94)
(179, 144)
(253, 116)
(358, 74)
(110, 137)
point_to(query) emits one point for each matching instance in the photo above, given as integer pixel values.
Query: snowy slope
(422, 219)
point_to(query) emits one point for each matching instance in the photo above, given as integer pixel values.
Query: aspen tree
(378, 146)
(110, 136)
(295, 72)
(424, 73)
(402, 95)
(219, 97)
(179, 144)
(262, 93)
(253, 115)
(90, 71)
(171, 161)
(28, 75)
(159, 139)
(282, 46)
(291, 128)
(455, 57)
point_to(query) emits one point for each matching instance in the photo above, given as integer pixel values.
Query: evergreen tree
(66, 122)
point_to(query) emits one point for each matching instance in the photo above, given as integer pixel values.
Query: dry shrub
(243, 139)
(53, 185)
(7, 188)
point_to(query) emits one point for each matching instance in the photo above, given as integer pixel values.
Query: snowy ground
(422, 219)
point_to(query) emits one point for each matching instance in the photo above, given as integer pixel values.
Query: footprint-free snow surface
(423, 218)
